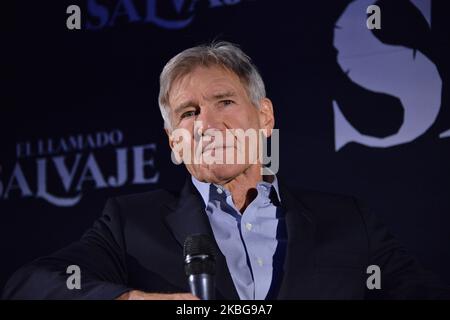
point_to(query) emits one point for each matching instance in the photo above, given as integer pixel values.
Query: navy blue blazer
(137, 244)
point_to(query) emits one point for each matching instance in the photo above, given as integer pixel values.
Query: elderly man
(272, 242)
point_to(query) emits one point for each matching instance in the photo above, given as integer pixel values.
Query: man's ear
(176, 154)
(266, 116)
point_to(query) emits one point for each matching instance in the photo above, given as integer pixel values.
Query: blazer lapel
(189, 217)
(299, 261)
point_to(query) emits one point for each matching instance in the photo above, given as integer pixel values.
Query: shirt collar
(204, 188)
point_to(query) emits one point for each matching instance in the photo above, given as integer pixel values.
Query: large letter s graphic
(396, 70)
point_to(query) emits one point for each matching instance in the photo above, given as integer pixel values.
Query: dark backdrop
(62, 83)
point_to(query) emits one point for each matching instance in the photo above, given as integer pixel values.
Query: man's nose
(210, 119)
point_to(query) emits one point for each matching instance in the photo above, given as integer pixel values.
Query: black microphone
(200, 265)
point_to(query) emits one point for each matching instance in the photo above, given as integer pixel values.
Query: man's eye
(188, 114)
(226, 102)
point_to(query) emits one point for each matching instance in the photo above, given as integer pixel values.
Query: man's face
(216, 98)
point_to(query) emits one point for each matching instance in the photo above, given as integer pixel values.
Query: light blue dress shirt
(248, 241)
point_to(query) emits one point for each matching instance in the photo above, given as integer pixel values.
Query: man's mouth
(213, 146)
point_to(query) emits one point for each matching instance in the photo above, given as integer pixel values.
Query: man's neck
(243, 187)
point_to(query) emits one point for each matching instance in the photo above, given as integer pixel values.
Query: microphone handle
(202, 286)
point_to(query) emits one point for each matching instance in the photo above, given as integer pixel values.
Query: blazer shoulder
(158, 200)
(338, 220)
(314, 198)
(327, 205)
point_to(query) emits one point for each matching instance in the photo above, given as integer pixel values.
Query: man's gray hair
(224, 54)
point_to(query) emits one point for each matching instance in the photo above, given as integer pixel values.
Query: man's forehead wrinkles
(180, 97)
(219, 94)
(193, 87)
(178, 89)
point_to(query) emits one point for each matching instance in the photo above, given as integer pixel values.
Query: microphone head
(199, 255)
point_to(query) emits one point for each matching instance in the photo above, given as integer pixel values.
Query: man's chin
(220, 173)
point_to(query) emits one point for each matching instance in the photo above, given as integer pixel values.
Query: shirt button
(260, 262)
(219, 191)
(248, 226)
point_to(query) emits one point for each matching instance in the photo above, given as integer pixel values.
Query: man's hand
(140, 295)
